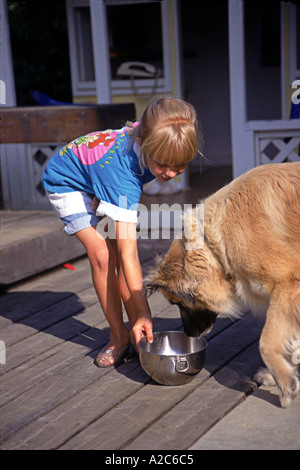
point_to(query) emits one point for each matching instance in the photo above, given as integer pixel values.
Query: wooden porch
(54, 397)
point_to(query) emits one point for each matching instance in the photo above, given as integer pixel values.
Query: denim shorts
(75, 210)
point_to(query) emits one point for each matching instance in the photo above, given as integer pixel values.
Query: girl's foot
(111, 356)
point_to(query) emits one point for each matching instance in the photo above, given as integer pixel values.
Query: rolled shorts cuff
(82, 221)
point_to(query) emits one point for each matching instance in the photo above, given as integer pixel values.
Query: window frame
(294, 34)
(118, 87)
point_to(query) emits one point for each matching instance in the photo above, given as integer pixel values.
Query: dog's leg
(281, 328)
(264, 377)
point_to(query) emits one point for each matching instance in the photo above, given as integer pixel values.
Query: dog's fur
(249, 260)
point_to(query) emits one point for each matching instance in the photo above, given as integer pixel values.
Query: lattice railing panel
(277, 148)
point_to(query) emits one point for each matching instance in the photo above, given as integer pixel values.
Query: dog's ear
(154, 278)
(167, 270)
(163, 276)
(171, 278)
(176, 288)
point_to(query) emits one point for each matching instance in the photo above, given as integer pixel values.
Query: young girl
(111, 167)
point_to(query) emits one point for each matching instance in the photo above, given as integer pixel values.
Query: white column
(178, 71)
(7, 98)
(101, 51)
(7, 84)
(241, 140)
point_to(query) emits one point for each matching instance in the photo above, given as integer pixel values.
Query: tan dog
(249, 260)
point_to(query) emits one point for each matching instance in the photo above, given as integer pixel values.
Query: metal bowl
(173, 358)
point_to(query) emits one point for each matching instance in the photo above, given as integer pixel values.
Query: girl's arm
(128, 252)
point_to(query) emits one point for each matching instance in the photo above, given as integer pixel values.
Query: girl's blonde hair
(168, 132)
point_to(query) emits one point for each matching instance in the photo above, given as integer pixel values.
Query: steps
(32, 242)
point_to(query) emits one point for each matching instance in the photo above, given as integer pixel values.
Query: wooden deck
(53, 396)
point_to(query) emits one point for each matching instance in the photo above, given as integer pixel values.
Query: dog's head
(189, 279)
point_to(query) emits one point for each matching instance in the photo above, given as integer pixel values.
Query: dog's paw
(287, 395)
(264, 377)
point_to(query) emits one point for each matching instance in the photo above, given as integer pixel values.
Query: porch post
(7, 83)
(7, 98)
(101, 51)
(241, 141)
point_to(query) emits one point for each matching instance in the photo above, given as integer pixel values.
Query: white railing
(275, 141)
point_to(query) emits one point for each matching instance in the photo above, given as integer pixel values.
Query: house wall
(206, 68)
(262, 45)
(206, 74)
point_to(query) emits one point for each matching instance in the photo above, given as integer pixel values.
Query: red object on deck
(69, 266)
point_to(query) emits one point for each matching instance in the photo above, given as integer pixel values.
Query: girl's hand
(143, 327)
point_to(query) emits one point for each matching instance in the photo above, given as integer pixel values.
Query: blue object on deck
(45, 100)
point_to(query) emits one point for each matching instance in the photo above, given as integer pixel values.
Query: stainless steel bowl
(173, 358)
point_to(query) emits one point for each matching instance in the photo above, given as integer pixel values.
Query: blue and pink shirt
(104, 164)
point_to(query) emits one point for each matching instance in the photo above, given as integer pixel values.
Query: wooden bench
(60, 123)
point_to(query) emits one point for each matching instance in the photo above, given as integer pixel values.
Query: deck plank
(147, 405)
(205, 406)
(36, 402)
(30, 373)
(54, 397)
(258, 423)
(50, 374)
(52, 429)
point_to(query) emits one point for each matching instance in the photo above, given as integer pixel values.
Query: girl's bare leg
(103, 263)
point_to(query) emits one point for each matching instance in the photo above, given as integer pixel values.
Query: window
(131, 38)
(294, 42)
(81, 47)
(84, 44)
(138, 41)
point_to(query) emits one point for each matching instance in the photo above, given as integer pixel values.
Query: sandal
(111, 356)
